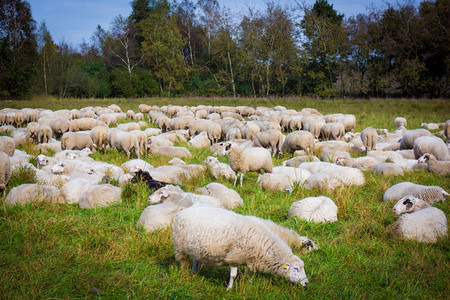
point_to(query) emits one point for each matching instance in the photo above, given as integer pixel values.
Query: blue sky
(73, 20)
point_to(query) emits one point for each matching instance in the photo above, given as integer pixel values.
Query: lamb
(60, 126)
(332, 131)
(400, 122)
(228, 196)
(201, 140)
(76, 140)
(298, 140)
(219, 169)
(99, 137)
(440, 168)
(369, 137)
(44, 133)
(430, 194)
(7, 145)
(432, 145)
(227, 242)
(409, 136)
(269, 138)
(317, 209)
(31, 192)
(421, 221)
(275, 182)
(5, 171)
(169, 151)
(101, 195)
(247, 160)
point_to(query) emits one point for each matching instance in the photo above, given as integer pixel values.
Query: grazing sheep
(219, 169)
(32, 128)
(214, 132)
(198, 125)
(233, 134)
(126, 141)
(247, 160)
(5, 171)
(169, 151)
(218, 237)
(228, 196)
(400, 122)
(201, 140)
(388, 169)
(314, 126)
(76, 141)
(7, 145)
(101, 195)
(142, 141)
(180, 122)
(274, 182)
(33, 193)
(298, 140)
(98, 135)
(163, 123)
(441, 168)
(317, 209)
(420, 222)
(84, 124)
(430, 194)
(129, 126)
(409, 136)
(332, 131)
(44, 133)
(250, 130)
(432, 145)
(269, 138)
(60, 126)
(130, 114)
(297, 160)
(369, 137)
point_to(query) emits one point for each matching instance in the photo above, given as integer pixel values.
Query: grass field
(60, 251)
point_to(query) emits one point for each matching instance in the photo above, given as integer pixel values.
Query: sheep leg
(242, 177)
(195, 265)
(233, 273)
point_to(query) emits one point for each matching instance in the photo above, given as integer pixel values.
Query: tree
(18, 48)
(47, 52)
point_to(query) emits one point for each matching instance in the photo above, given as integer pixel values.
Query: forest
(198, 48)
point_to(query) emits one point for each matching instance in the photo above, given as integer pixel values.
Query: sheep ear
(165, 194)
(286, 267)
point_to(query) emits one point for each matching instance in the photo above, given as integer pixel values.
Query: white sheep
(250, 130)
(159, 216)
(298, 140)
(251, 159)
(32, 131)
(33, 193)
(214, 132)
(84, 124)
(420, 222)
(440, 168)
(271, 138)
(297, 160)
(369, 137)
(159, 195)
(337, 174)
(193, 170)
(76, 140)
(7, 145)
(126, 141)
(332, 131)
(431, 126)
(229, 197)
(365, 163)
(400, 122)
(295, 175)
(129, 126)
(44, 133)
(430, 194)
(169, 151)
(5, 171)
(101, 195)
(218, 237)
(317, 209)
(447, 131)
(201, 140)
(432, 145)
(59, 126)
(170, 174)
(409, 136)
(331, 155)
(219, 169)
(388, 169)
(72, 190)
(274, 182)
(98, 135)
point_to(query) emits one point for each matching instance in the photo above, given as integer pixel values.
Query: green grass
(60, 251)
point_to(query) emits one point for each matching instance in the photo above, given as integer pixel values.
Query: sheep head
(294, 271)
(405, 205)
(425, 158)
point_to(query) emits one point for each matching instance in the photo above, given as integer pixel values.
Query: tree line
(200, 48)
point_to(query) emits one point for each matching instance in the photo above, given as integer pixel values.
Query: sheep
(142, 141)
(219, 169)
(126, 141)
(247, 160)
(134, 165)
(129, 126)
(144, 108)
(297, 160)
(228, 196)
(274, 182)
(198, 125)
(298, 140)
(369, 137)
(388, 169)
(214, 132)
(400, 122)
(319, 209)
(440, 168)
(250, 130)
(5, 171)
(76, 140)
(201, 140)
(269, 138)
(314, 126)
(60, 126)
(447, 131)
(233, 134)
(432, 145)
(98, 135)
(162, 193)
(232, 240)
(420, 222)
(342, 175)
(7, 145)
(160, 216)
(409, 136)
(171, 174)
(152, 131)
(169, 151)
(331, 155)
(334, 145)
(193, 170)
(52, 146)
(180, 122)
(130, 114)
(163, 123)
(430, 194)
(73, 189)
(431, 126)
(144, 176)
(101, 195)
(84, 124)
(31, 192)
(19, 157)
(171, 194)
(44, 133)
(32, 131)
(295, 175)
(365, 163)
(332, 131)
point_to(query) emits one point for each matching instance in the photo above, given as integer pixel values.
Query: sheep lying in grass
(101, 195)
(145, 177)
(228, 196)
(7, 145)
(170, 151)
(5, 171)
(218, 237)
(430, 194)
(247, 160)
(31, 192)
(330, 175)
(219, 169)
(317, 209)
(432, 145)
(274, 182)
(408, 138)
(297, 160)
(420, 222)
(72, 190)
(440, 168)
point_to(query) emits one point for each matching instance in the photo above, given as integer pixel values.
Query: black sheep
(144, 176)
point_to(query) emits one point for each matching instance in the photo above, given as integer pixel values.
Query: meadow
(59, 251)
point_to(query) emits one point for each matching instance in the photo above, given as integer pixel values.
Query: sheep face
(59, 168)
(226, 148)
(42, 160)
(404, 205)
(210, 160)
(294, 271)
(158, 196)
(424, 158)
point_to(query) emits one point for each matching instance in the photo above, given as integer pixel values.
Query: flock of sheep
(204, 227)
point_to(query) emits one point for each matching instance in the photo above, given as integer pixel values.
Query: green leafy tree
(47, 53)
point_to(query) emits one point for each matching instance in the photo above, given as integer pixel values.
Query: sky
(73, 21)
